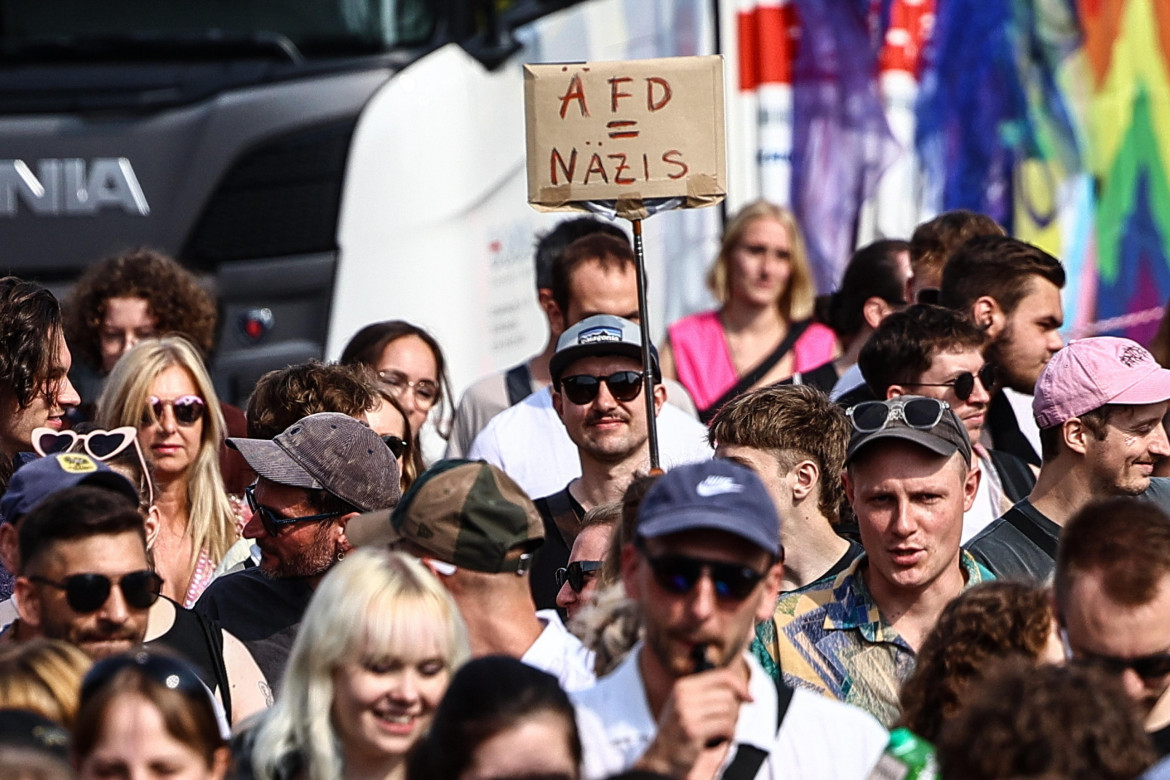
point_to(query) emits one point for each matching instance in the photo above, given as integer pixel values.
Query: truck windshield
(296, 28)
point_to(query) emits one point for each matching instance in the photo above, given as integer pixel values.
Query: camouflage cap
(467, 513)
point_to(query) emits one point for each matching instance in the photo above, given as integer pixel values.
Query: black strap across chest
(795, 331)
(748, 758)
(518, 380)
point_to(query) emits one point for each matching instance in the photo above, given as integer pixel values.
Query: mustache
(616, 415)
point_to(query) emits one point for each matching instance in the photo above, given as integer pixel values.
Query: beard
(311, 560)
(1008, 372)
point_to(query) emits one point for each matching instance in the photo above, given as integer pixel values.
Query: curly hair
(798, 298)
(1022, 721)
(987, 622)
(174, 298)
(30, 319)
(285, 395)
(124, 402)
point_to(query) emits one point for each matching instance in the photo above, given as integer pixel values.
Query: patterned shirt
(830, 637)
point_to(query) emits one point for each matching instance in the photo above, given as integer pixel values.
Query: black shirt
(1161, 740)
(554, 553)
(264, 612)
(1020, 545)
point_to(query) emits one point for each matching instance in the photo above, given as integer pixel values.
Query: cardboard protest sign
(625, 132)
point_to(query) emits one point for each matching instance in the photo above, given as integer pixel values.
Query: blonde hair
(44, 676)
(373, 605)
(124, 402)
(796, 301)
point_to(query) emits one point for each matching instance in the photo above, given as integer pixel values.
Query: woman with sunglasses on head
(761, 334)
(162, 388)
(408, 362)
(146, 715)
(377, 647)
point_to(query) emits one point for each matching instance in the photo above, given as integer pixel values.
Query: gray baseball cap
(928, 422)
(332, 452)
(601, 334)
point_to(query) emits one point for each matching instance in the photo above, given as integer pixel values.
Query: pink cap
(1089, 373)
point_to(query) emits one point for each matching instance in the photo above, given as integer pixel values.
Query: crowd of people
(899, 530)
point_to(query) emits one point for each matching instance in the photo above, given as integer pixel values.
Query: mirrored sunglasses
(188, 409)
(679, 574)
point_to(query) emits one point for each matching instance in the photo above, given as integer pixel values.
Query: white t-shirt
(820, 738)
(988, 501)
(529, 443)
(561, 654)
(1022, 407)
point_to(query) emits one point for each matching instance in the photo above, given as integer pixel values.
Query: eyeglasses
(680, 573)
(170, 673)
(425, 391)
(575, 573)
(396, 444)
(86, 593)
(921, 413)
(1151, 667)
(273, 522)
(964, 383)
(582, 388)
(188, 409)
(98, 444)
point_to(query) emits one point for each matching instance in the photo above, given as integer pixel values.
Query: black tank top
(200, 642)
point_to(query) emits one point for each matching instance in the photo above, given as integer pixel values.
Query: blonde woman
(761, 334)
(43, 676)
(376, 650)
(162, 388)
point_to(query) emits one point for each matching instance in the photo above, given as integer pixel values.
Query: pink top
(703, 360)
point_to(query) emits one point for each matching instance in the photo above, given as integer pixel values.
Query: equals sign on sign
(622, 128)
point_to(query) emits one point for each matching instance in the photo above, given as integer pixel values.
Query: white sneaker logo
(717, 486)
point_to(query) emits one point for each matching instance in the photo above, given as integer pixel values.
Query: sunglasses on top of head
(917, 412)
(581, 389)
(188, 409)
(98, 444)
(964, 383)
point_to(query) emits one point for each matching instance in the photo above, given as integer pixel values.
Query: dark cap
(38, 479)
(332, 452)
(718, 495)
(467, 513)
(601, 334)
(33, 731)
(944, 437)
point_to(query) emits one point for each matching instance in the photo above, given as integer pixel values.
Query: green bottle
(907, 757)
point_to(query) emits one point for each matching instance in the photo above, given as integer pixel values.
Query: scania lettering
(70, 187)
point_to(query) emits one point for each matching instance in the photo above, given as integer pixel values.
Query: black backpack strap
(748, 758)
(566, 520)
(795, 331)
(518, 380)
(1034, 534)
(1015, 476)
(213, 635)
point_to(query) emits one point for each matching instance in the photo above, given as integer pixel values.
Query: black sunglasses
(582, 388)
(1147, 667)
(273, 522)
(964, 383)
(921, 413)
(575, 573)
(680, 573)
(188, 409)
(396, 444)
(86, 593)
